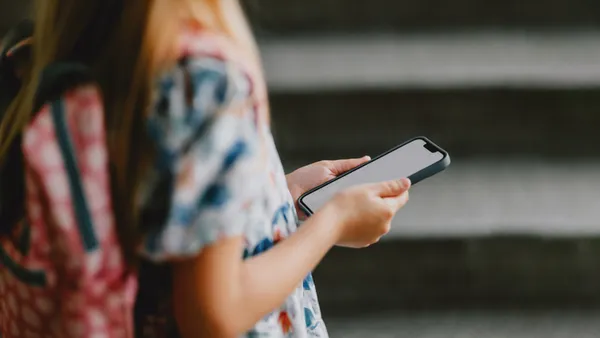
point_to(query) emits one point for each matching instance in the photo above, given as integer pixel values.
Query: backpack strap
(56, 79)
(14, 51)
(12, 188)
(16, 45)
(19, 33)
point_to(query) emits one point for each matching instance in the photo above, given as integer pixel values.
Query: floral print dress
(217, 174)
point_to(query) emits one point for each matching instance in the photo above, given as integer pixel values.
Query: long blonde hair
(125, 43)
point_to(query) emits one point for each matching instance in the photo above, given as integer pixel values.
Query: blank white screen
(402, 162)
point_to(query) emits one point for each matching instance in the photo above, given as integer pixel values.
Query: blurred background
(502, 244)
(505, 242)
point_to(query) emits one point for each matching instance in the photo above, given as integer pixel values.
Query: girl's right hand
(366, 211)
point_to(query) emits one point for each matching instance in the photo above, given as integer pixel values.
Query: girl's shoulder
(197, 43)
(242, 57)
(214, 74)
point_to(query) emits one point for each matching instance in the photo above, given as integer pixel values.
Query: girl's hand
(366, 212)
(313, 175)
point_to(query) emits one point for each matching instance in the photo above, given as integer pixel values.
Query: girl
(199, 190)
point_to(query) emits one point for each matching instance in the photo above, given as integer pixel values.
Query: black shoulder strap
(16, 45)
(19, 32)
(57, 78)
(13, 53)
(12, 192)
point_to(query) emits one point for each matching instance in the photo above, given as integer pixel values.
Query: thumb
(341, 166)
(398, 201)
(391, 188)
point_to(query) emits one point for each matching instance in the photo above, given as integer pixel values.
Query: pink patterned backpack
(62, 273)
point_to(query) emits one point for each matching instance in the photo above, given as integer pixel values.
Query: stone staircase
(510, 88)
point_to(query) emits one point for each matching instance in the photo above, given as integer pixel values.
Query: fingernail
(405, 182)
(368, 158)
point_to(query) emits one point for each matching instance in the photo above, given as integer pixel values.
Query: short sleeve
(207, 172)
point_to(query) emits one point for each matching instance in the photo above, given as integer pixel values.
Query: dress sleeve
(208, 173)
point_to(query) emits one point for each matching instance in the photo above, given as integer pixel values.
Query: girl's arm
(213, 151)
(217, 294)
(213, 177)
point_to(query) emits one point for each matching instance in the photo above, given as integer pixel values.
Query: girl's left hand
(313, 175)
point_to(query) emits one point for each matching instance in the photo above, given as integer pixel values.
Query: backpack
(13, 51)
(65, 275)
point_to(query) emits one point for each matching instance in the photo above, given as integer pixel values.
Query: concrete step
(470, 324)
(495, 235)
(503, 198)
(335, 16)
(530, 59)
(510, 272)
(486, 199)
(556, 124)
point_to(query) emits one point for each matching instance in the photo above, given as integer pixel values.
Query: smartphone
(416, 159)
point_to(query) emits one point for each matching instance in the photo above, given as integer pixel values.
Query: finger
(397, 202)
(341, 166)
(391, 188)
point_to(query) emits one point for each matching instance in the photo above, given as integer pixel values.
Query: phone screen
(398, 163)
